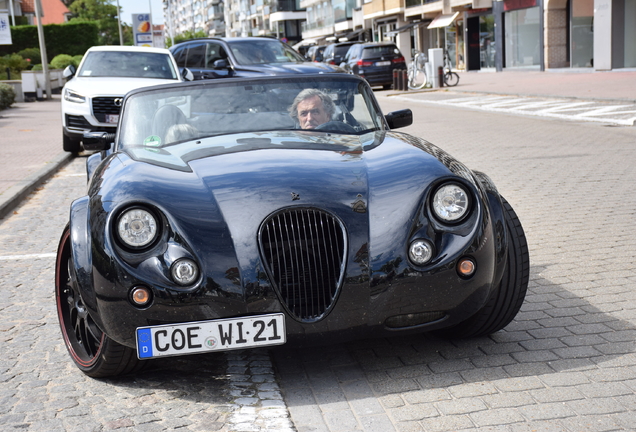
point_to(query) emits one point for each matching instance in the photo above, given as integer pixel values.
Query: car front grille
(303, 250)
(105, 105)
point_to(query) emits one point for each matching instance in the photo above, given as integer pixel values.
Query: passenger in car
(181, 132)
(311, 108)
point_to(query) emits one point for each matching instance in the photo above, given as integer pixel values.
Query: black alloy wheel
(92, 351)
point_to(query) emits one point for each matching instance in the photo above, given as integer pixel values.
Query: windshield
(127, 64)
(223, 114)
(254, 52)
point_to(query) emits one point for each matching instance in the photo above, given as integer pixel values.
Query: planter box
(33, 82)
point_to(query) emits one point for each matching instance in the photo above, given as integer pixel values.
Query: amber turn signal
(466, 267)
(141, 295)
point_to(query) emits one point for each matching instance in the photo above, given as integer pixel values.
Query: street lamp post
(45, 60)
(121, 36)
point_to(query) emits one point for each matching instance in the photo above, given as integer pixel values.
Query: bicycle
(416, 72)
(451, 79)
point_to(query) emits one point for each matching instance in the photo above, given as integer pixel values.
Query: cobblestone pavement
(40, 388)
(567, 362)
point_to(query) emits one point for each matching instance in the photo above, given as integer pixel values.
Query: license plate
(383, 63)
(208, 336)
(112, 118)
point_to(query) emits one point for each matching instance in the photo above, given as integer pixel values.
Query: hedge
(71, 38)
(7, 96)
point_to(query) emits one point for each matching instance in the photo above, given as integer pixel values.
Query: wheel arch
(497, 214)
(81, 254)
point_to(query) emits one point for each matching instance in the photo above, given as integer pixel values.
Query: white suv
(91, 99)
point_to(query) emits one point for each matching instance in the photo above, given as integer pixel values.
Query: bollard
(395, 79)
(440, 76)
(8, 73)
(400, 80)
(405, 79)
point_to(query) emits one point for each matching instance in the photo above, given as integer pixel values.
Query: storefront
(480, 40)
(522, 22)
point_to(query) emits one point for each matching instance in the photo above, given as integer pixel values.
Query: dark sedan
(243, 57)
(219, 217)
(374, 62)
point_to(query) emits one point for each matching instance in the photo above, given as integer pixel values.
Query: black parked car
(374, 62)
(242, 57)
(335, 52)
(214, 222)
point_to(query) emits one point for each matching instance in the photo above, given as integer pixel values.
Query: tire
(416, 78)
(451, 79)
(506, 300)
(91, 350)
(71, 145)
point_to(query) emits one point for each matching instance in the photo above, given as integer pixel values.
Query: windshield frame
(364, 92)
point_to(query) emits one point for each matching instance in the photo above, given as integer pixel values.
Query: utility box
(436, 60)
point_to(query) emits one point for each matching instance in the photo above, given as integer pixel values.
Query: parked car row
(91, 99)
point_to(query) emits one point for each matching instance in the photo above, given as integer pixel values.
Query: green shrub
(32, 55)
(60, 61)
(15, 62)
(77, 60)
(69, 38)
(7, 96)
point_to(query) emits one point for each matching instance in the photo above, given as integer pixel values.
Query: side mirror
(398, 119)
(187, 74)
(97, 141)
(220, 64)
(69, 71)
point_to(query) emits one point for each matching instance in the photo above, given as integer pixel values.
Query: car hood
(111, 86)
(290, 68)
(375, 189)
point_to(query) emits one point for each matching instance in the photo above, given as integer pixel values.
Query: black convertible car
(219, 217)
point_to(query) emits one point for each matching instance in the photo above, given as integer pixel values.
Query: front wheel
(451, 79)
(92, 351)
(507, 298)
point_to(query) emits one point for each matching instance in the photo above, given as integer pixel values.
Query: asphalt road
(566, 363)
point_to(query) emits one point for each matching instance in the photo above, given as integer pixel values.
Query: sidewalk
(571, 83)
(30, 149)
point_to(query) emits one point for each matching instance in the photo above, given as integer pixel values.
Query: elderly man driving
(312, 108)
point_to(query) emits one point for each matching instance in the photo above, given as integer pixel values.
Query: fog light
(185, 271)
(466, 267)
(141, 295)
(420, 252)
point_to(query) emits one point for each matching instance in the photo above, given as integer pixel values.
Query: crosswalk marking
(596, 111)
(30, 256)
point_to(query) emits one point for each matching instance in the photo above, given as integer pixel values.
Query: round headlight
(137, 227)
(451, 203)
(185, 271)
(420, 252)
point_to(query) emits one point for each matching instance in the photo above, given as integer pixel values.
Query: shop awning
(351, 36)
(443, 20)
(402, 29)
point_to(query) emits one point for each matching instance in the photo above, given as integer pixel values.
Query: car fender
(81, 254)
(498, 223)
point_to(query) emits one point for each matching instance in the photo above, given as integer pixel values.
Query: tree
(187, 35)
(103, 13)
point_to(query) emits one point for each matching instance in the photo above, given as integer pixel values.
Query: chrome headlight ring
(137, 228)
(451, 203)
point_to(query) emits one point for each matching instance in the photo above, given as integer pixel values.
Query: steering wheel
(336, 126)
